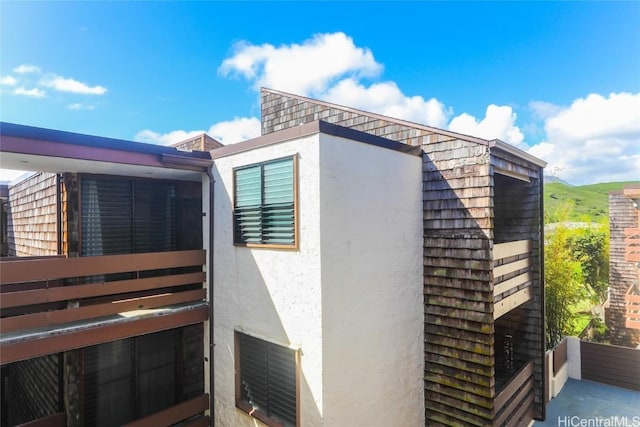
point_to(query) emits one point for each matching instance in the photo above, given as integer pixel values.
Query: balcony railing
(632, 244)
(47, 297)
(515, 401)
(512, 275)
(632, 301)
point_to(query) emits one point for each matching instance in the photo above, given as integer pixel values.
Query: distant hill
(591, 202)
(548, 179)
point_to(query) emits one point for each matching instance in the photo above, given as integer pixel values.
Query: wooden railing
(512, 275)
(191, 410)
(514, 403)
(55, 420)
(632, 244)
(632, 301)
(48, 293)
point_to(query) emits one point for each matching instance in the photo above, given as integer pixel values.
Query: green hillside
(591, 202)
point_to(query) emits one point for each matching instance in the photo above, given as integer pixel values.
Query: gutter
(210, 296)
(542, 298)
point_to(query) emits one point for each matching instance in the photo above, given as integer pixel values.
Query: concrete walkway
(587, 403)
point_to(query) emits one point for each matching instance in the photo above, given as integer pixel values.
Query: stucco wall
(350, 298)
(372, 297)
(272, 294)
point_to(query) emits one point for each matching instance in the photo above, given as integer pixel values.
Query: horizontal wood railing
(514, 402)
(632, 244)
(632, 315)
(36, 292)
(55, 420)
(193, 408)
(512, 275)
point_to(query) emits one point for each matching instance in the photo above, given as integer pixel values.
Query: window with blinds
(266, 381)
(121, 216)
(264, 203)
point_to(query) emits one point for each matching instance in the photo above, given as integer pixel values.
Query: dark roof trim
(43, 134)
(508, 148)
(311, 128)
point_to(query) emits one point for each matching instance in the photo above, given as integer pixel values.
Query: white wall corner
(573, 358)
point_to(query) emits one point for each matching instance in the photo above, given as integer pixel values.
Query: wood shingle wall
(32, 216)
(517, 208)
(622, 274)
(458, 206)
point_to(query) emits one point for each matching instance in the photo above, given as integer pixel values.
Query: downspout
(542, 301)
(59, 206)
(211, 294)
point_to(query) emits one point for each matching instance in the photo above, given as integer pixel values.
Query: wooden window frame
(290, 246)
(247, 408)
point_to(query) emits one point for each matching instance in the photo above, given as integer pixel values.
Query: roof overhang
(514, 151)
(37, 149)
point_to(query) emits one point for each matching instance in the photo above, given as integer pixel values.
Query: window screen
(265, 203)
(267, 379)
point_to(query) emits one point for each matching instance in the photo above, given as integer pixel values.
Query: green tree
(563, 277)
(590, 247)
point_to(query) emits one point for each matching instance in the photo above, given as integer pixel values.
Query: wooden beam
(512, 386)
(518, 247)
(42, 269)
(49, 318)
(520, 279)
(55, 420)
(512, 301)
(174, 414)
(42, 296)
(16, 351)
(511, 267)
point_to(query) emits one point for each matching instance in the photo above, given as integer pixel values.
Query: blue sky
(558, 79)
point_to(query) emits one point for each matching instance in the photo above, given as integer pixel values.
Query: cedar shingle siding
(32, 216)
(466, 210)
(622, 274)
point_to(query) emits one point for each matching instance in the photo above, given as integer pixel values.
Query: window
(129, 379)
(265, 203)
(266, 381)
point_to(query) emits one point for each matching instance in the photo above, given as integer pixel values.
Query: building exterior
(482, 263)
(343, 292)
(104, 295)
(354, 269)
(623, 313)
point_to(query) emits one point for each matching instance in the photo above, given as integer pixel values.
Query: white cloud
(595, 139)
(387, 99)
(34, 93)
(227, 132)
(26, 69)
(169, 138)
(64, 84)
(307, 68)
(8, 80)
(543, 110)
(236, 130)
(79, 106)
(498, 123)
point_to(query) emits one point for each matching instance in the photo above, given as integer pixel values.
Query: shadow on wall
(253, 303)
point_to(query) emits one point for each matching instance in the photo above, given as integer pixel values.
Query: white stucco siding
(273, 294)
(372, 298)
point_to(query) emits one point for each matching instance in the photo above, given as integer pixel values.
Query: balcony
(512, 276)
(53, 304)
(632, 244)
